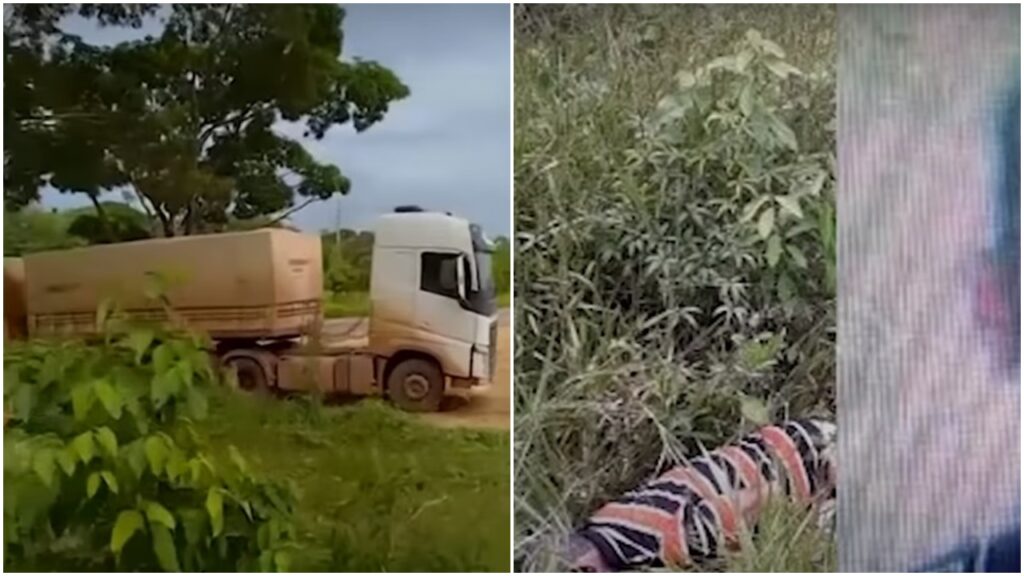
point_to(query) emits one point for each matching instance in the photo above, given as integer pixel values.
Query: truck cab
(433, 298)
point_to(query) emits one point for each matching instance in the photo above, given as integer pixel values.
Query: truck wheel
(250, 375)
(416, 385)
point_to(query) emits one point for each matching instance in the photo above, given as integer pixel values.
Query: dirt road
(483, 407)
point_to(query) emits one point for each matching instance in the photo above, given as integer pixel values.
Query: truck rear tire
(416, 385)
(250, 375)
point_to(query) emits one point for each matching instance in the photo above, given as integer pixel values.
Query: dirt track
(483, 407)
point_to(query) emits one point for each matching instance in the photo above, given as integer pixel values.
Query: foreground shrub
(103, 471)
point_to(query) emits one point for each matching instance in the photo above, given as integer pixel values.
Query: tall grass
(377, 489)
(653, 314)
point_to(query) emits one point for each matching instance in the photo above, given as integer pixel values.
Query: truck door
(439, 311)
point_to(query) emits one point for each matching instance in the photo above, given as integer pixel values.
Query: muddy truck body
(259, 296)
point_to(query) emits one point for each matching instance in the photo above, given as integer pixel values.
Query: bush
(675, 255)
(501, 265)
(103, 471)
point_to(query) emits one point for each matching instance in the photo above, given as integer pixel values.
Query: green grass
(609, 381)
(346, 304)
(787, 540)
(357, 304)
(377, 490)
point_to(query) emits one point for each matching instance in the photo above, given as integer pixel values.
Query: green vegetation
(378, 490)
(103, 469)
(675, 279)
(787, 540)
(112, 463)
(33, 229)
(346, 304)
(356, 304)
(183, 120)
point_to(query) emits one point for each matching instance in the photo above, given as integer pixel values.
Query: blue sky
(446, 147)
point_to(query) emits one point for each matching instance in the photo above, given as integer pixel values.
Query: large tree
(186, 120)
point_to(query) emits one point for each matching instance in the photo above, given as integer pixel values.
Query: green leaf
(163, 357)
(727, 62)
(107, 440)
(67, 460)
(23, 401)
(766, 223)
(790, 204)
(156, 454)
(44, 465)
(754, 410)
(186, 372)
(109, 397)
(799, 260)
(751, 209)
(238, 460)
(685, 80)
(747, 99)
(196, 404)
(139, 341)
(814, 187)
(774, 250)
(282, 561)
(176, 465)
(772, 48)
(136, 456)
(781, 68)
(786, 289)
(165, 385)
(163, 546)
(743, 59)
(157, 513)
(85, 446)
(193, 520)
(267, 561)
(92, 485)
(196, 468)
(784, 133)
(215, 508)
(128, 523)
(110, 479)
(82, 398)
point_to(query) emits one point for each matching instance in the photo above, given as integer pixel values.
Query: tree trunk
(166, 222)
(101, 213)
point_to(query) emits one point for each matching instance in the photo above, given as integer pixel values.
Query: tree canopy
(184, 120)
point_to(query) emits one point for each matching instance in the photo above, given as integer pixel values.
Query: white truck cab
(432, 296)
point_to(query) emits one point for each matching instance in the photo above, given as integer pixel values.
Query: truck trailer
(258, 295)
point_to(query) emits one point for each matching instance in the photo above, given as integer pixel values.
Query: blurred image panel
(929, 288)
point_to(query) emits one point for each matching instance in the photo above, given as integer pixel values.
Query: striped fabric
(691, 512)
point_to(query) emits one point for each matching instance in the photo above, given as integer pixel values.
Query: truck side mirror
(474, 284)
(460, 267)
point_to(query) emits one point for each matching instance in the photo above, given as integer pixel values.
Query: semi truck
(258, 294)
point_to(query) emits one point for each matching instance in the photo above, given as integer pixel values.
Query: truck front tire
(416, 385)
